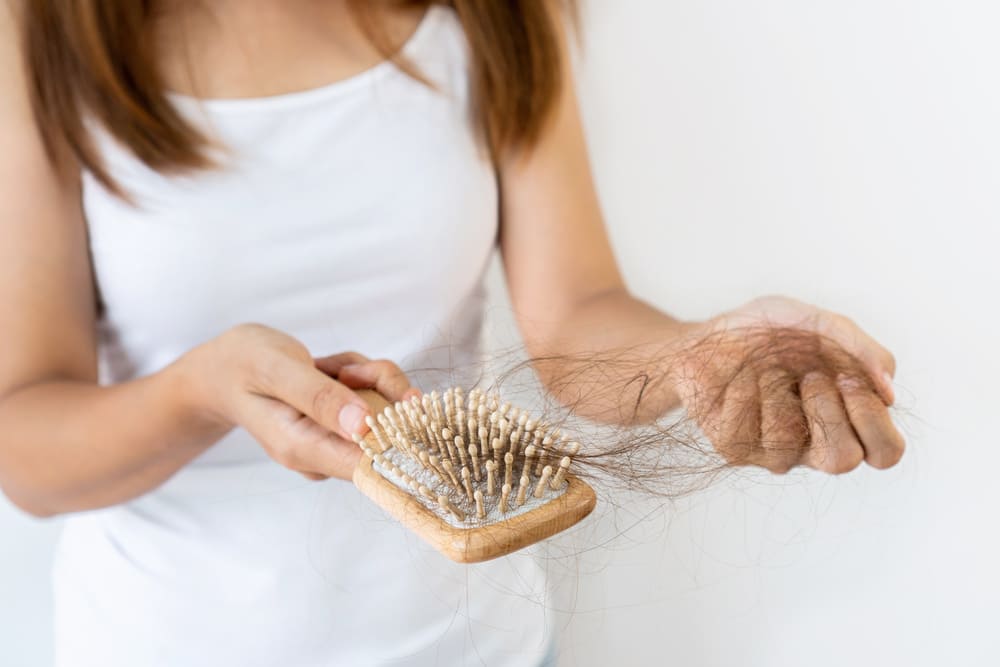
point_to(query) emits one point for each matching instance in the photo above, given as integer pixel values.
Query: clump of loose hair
(671, 453)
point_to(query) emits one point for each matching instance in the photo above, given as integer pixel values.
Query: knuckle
(263, 370)
(388, 369)
(327, 400)
(251, 333)
(391, 376)
(259, 354)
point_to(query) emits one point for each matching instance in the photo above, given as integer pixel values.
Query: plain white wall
(846, 153)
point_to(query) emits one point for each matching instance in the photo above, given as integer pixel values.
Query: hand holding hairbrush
(474, 478)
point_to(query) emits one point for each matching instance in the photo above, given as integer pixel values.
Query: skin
(68, 444)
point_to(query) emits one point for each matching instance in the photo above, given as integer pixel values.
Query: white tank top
(357, 216)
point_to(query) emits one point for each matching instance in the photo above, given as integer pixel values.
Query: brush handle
(474, 545)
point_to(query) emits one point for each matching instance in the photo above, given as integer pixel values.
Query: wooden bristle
(474, 457)
(491, 477)
(522, 490)
(498, 448)
(505, 498)
(543, 482)
(494, 428)
(484, 440)
(560, 477)
(446, 505)
(467, 482)
(450, 470)
(529, 456)
(480, 509)
(469, 455)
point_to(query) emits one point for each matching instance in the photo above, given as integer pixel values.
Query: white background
(846, 153)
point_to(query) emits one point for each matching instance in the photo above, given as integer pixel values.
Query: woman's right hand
(303, 411)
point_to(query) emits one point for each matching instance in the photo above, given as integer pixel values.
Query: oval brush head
(474, 478)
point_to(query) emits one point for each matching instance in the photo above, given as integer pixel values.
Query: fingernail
(352, 418)
(412, 393)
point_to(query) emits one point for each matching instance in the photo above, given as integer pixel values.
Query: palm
(779, 383)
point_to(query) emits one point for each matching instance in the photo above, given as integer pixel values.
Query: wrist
(189, 400)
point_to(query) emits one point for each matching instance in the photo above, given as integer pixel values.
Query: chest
(246, 49)
(330, 214)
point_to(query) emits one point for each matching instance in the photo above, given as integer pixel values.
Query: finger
(332, 364)
(869, 415)
(784, 433)
(877, 360)
(314, 394)
(297, 442)
(701, 389)
(314, 476)
(739, 421)
(383, 376)
(834, 447)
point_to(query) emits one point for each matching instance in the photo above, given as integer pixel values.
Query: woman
(197, 198)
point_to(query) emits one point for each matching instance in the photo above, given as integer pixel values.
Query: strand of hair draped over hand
(676, 453)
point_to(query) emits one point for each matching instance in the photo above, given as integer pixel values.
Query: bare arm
(568, 293)
(573, 307)
(68, 444)
(64, 441)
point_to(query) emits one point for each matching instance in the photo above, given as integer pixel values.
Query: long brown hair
(96, 59)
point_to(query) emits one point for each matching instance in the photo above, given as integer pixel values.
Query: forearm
(608, 358)
(71, 446)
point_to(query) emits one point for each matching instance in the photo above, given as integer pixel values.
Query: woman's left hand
(779, 383)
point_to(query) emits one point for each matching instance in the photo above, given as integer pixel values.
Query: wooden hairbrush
(475, 479)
